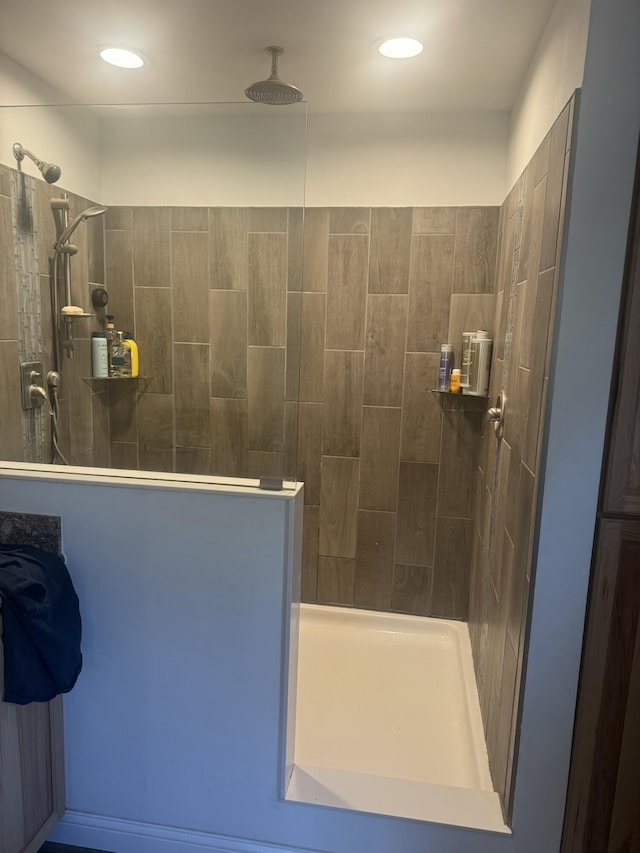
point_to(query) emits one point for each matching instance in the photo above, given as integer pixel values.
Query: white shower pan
(388, 720)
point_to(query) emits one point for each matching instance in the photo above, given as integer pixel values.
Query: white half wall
(554, 74)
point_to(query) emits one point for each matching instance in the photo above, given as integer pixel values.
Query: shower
(62, 248)
(273, 91)
(50, 172)
(59, 245)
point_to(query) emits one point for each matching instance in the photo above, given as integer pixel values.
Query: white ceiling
(475, 57)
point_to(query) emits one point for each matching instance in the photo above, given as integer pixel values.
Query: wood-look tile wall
(87, 442)
(388, 466)
(529, 247)
(212, 297)
(257, 348)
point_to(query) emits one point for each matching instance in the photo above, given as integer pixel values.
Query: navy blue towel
(42, 628)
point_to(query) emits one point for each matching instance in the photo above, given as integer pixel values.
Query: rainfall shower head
(273, 91)
(50, 172)
(71, 227)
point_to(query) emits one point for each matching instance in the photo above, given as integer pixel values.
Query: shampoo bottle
(446, 363)
(99, 355)
(132, 346)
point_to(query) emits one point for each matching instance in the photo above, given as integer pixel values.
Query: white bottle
(99, 355)
(481, 347)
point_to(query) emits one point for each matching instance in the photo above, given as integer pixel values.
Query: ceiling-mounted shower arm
(50, 172)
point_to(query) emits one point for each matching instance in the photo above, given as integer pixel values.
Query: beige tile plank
(474, 267)
(312, 347)
(469, 312)
(310, 450)
(267, 289)
(310, 530)
(267, 219)
(124, 454)
(228, 336)
(119, 218)
(264, 464)
(193, 460)
(315, 269)
(123, 411)
(458, 461)
(229, 437)
(290, 456)
(155, 432)
(390, 252)
(336, 580)
(295, 236)
(551, 224)
(191, 365)
(338, 506)
(385, 348)
(8, 293)
(153, 336)
(11, 399)
(374, 560)
(294, 343)
(417, 491)
(343, 382)
(119, 276)
(452, 564)
(349, 220)
(265, 386)
(434, 220)
(379, 458)
(100, 439)
(95, 248)
(228, 253)
(151, 262)
(412, 589)
(421, 411)
(429, 292)
(347, 291)
(190, 280)
(190, 219)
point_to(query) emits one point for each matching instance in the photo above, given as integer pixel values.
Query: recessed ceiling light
(401, 48)
(122, 58)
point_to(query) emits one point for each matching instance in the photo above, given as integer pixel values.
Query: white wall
(402, 159)
(210, 155)
(554, 73)
(69, 136)
(255, 156)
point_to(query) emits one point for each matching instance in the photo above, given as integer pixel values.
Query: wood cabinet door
(603, 802)
(31, 772)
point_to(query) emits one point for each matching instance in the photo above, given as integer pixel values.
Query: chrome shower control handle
(495, 415)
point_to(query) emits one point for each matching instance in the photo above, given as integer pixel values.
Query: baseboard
(127, 836)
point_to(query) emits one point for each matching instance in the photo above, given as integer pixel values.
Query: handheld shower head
(50, 172)
(71, 227)
(273, 91)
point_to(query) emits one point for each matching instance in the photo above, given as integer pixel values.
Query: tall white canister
(480, 367)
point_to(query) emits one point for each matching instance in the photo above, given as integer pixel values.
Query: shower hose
(55, 414)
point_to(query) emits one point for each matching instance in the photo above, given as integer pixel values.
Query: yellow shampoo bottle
(130, 344)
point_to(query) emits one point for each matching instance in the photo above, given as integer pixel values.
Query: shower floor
(388, 720)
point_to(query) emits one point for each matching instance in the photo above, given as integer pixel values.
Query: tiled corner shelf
(141, 383)
(459, 395)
